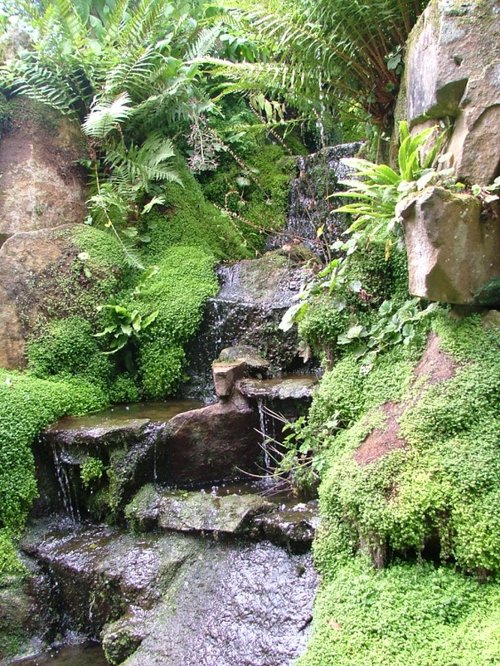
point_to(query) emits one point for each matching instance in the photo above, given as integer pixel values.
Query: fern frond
(105, 117)
(204, 43)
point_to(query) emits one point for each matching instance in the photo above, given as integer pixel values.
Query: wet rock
(42, 185)
(197, 511)
(80, 434)
(253, 360)
(177, 599)
(225, 376)
(209, 444)
(293, 527)
(99, 572)
(121, 638)
(452, 253)
(247, 311)
(131, 442)
(311, 205)
(235, 606)
(296, 387)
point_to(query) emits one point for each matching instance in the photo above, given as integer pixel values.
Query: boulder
(452, 252)
(42, 186)
(209, 444)
(23, 258)
(474, 142)
(452, 70)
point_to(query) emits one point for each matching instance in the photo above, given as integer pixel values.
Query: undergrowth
(404, 615)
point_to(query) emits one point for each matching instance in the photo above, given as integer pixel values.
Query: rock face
(42, 193)
(452, 252)
(178, 600)
(23, 258)
(176, 443)
(247, 311)
(41, 185)
(452, 70)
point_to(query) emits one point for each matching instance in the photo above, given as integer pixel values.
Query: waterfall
(65, 486)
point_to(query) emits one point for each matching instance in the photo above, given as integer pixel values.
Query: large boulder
(452, 71)
(23, 258)
(452, 251)
(42, 185)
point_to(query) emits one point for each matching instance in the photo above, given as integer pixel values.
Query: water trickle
(66, 489)
(311, 205)
(265, 434)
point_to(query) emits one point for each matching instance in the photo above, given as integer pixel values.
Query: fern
(105, 117)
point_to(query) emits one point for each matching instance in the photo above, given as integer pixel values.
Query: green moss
(190, 220)
(28, 404)
(367, 280)
(69, 348)
(257, 189)
(10, 564)
(404, 615)
(442, 487)
(178, 291)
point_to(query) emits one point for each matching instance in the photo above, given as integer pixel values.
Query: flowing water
(79, 655)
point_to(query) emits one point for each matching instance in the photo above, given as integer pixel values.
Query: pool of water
(160, 412)
(80, 655)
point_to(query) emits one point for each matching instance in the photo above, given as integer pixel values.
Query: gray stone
(178, 599)
(451, 44)
(293, 526)
(196, 511)
(452, 70)
(246, 354)
(475, 140)
(452, 252)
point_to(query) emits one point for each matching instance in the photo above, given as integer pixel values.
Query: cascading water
(311, 204)
(66, 490)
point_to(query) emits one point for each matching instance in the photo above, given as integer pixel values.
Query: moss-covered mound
(412, 475)
(28, 404)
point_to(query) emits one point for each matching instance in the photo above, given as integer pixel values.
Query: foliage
(10, 565)
(28, 404)
(322, 56)
(68, 348)
(178, 290)
(125, 325)
(349, 293)
(403, 615)
(253, 190)
(377, 188)
(189, 219)
(442, 486)
(91, 471)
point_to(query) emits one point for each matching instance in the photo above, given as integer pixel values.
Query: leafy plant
(91, 471)
(377, 188)
(323, 56)
(125, 325)
(392, 326)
